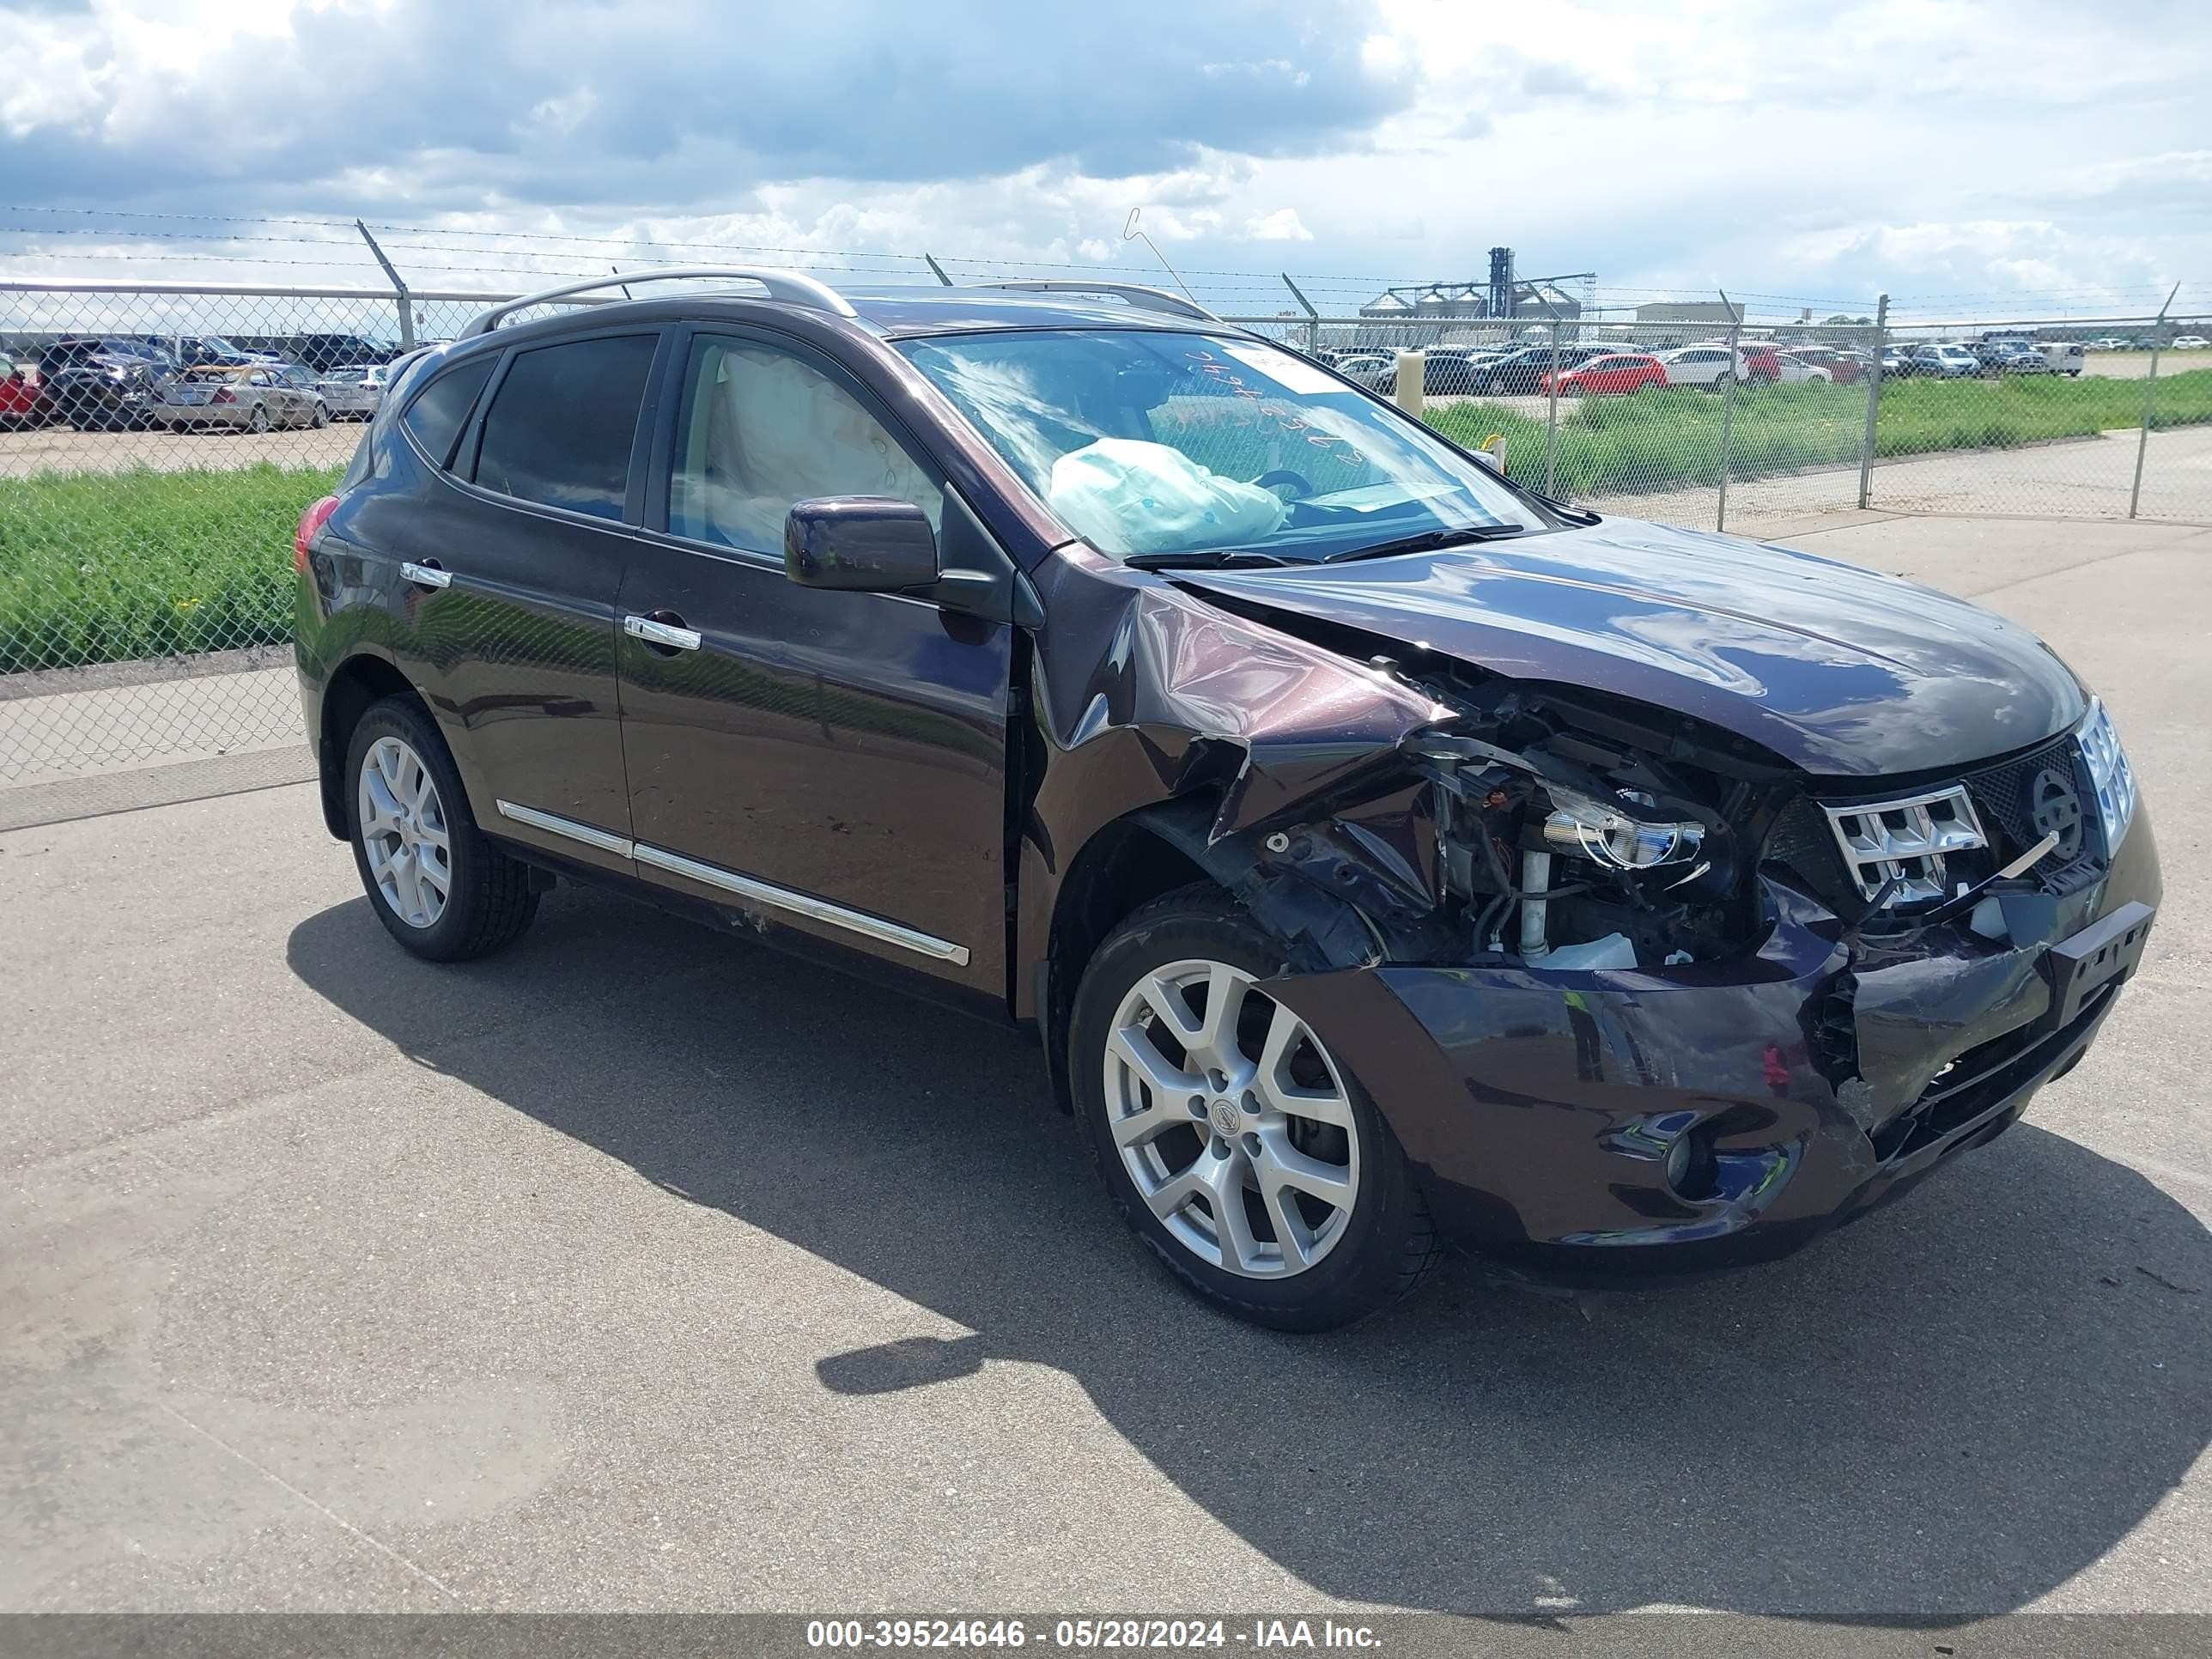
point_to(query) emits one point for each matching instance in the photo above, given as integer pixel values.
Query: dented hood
(1842, 671)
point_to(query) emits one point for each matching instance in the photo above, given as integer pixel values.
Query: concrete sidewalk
(640, 1268)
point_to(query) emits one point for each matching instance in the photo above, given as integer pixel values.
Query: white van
(2064, 356)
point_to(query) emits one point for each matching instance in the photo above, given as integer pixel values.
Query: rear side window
(436, 417)
(561, 424)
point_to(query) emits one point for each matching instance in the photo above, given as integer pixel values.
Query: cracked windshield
(1148, 443)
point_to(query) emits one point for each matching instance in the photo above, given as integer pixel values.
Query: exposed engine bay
(1569, 831)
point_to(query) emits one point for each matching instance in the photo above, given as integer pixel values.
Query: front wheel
(321, 417)
(1234, 1144)
(436, 884)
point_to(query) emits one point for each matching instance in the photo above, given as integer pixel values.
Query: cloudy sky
(1805, 151)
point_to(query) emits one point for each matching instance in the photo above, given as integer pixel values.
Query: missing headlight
(1592, 830)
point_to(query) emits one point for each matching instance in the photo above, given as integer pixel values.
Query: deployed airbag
(1125, 495)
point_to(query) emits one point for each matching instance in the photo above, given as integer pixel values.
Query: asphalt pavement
(643, 1268)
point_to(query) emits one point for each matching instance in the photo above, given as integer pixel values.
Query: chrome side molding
(806, 905)
(552, 825)
(746, 887)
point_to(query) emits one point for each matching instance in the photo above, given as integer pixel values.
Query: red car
(1625, 371)
(1761, 367)
(23, 401)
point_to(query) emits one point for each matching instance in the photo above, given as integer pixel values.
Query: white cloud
(1786, 150)
(1283, 225)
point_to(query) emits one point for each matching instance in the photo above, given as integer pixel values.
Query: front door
(831, 761)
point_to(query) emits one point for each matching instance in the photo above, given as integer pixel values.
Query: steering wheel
(1283, 475)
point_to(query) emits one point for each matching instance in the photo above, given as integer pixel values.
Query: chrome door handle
(661, 633)
(427, 575)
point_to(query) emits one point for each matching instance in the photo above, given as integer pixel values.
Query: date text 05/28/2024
(1108, 1634)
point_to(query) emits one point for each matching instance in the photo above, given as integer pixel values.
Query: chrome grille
(1907, 838)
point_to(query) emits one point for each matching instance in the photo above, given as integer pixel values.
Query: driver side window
(761, 428)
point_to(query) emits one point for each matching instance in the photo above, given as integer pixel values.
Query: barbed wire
(551, 252)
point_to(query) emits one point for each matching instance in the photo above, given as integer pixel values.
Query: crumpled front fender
(1143, 694)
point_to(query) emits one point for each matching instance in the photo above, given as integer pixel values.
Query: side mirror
(865, 544)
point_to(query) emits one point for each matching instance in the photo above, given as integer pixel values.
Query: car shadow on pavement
(1951, 1408)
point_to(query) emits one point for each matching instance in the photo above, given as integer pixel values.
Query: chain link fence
(1698, 415)
(159, 440)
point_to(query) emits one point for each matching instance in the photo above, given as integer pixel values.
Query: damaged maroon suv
(1383, 854)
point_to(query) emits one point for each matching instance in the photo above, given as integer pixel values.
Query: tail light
(311, 525)
(223, 394)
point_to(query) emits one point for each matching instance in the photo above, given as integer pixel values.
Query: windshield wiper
(1430, 541)
(1208, 558)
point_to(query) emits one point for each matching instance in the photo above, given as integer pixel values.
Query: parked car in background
(1799, 370)
(23, 400)
(1450, 370)
(1708, 364)
(2010, 356)
(2110, 343)
(323, 351)
(352, 392)
(1762, 363)
(2061, 356)
(255, 397)
(1380, 855)
(316, 351)
(1946, 362)
(2193, 342)
(1619, 371)
(102, 383)
(1843, 367)
(1376, 371)
(1520, 373)
(1897, 362)
(199, 350)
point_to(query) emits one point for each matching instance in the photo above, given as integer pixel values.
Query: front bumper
(1815, 1079)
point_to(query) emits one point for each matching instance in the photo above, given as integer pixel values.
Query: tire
(257, 421)
(1350, 1258)
(321, 417)
(488, 899)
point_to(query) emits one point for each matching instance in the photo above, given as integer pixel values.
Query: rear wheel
(1232, 1142)
(436, 884)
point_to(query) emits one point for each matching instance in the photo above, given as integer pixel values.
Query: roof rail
(790, 286)
(1152, 299)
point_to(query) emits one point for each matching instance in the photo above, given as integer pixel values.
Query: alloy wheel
(1231, 1120)
(405, 834)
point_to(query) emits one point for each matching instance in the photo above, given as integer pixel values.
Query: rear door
(511, 563)
(832, 761)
